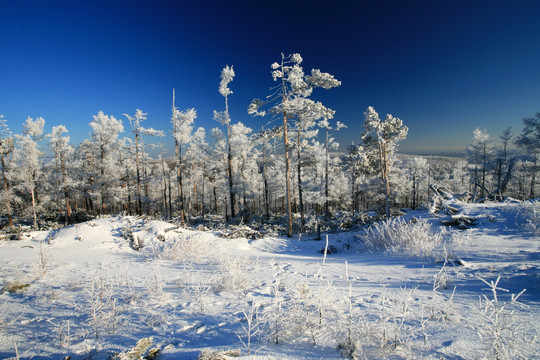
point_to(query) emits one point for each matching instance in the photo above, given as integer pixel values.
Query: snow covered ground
(85, 291)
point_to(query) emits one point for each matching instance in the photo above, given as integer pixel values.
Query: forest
(112, 250)
(291, 175)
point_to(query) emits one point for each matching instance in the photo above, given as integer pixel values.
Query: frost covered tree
(223, 117)
(329, 143)
(105, 132)
(244, 165)
(288, 100)
(198, 155)
(418, 169)
(264, 139)
(307, 115)
(166, 179)
(139, 132)
(28, 159)
(504, 164)
(84, 175)
(479, 156)
(356, 163)
(381, 139)
(217, 172)
(6, 148)
(62, 151)
(182, 123)
(529, 140)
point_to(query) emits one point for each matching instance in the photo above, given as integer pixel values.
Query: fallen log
(460, 221)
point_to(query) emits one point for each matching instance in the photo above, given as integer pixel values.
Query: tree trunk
(179, 180)
(229, 168)
(287, 178)
(195, 202)
(32, 191)
(326, 193)
(266, 200)
(215, 201)
(202, 190)
(163, 173)
(300, 193)
(66, 190)
(137, 162)
(484, 165)
(354, 201)
(414, 192)
(6, 186)
(170, 193)
(384, 173)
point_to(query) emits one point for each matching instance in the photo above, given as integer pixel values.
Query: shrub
(398, 236)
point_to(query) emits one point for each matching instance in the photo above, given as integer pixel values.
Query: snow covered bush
(43, 261)
(184, 248)
(231, 275)
(252, 327)
(102, 305)
(415, 238)
(499, 325)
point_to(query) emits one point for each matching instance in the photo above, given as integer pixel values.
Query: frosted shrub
(499, 326)
(102, 305)
(154, 286)
(63, 332)
(232, 275)
(43, 262)
(274, 316)
(182, 247)
(399, 236)
(251, 329)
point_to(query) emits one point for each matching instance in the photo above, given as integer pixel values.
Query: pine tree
(138, 132)
(244, 164)
(198, 154)
(62, 151)
(182, 122)
(28, 159)
(288, 100)
(530, 141)
(105, 132)
(227, 75)
(381, 138)
(6, 148)
(329, 142)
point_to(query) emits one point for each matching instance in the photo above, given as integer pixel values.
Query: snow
(192, 291)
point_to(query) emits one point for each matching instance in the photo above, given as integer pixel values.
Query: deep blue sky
(443, 67)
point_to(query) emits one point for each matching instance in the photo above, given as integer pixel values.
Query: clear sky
(443, 67)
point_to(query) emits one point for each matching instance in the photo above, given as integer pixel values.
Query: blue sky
(443, 67)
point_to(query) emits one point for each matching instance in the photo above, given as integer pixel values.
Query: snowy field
(86, 292)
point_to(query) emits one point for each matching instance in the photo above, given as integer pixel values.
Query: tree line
(285, 172)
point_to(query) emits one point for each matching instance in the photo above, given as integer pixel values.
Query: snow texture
(105, 287)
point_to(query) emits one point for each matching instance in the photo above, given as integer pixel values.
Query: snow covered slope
(94, 289)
